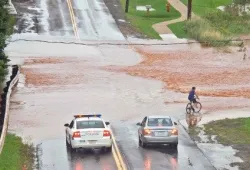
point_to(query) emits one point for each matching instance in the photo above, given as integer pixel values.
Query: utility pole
(127, 5)
(189, 10)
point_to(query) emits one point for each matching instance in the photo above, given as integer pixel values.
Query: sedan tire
(142, 144)
(175, 146)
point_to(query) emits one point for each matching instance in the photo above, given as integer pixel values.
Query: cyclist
(192, 95)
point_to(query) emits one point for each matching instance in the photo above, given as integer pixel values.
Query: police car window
(159, 122)
(89, 124)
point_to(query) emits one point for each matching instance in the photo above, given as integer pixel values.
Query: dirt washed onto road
(36, 74)
(214, 73)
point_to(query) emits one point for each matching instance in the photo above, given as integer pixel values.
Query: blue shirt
(191, 95)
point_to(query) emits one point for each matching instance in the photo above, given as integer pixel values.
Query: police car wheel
(109, 149)
(67, 144)
(73, 150)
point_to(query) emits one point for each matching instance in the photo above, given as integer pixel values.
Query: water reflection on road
(54, 155)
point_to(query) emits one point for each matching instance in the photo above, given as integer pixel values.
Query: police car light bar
(94, 115)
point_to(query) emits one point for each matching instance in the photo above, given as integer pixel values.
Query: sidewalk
(162, 27)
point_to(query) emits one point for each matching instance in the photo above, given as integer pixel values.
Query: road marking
(115, 151)
(119, 166)
(72, 17)
(120, 162)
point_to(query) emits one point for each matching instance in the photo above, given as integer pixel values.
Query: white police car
(88, 131)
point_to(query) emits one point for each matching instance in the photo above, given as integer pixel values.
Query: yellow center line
(121, 162)
(115, 150)
(119, 166)
(72, 17)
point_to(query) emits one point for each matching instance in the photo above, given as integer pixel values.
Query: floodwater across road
(67, 82)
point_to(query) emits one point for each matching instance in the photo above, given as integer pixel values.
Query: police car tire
(109, 149)
(67, 144)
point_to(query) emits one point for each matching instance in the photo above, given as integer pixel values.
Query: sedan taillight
(106, 133)
(146, 131)
(174, 131)
(76, 135)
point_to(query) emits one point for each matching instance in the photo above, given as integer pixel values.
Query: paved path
(162, 27)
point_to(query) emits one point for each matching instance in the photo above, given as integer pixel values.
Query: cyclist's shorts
(193, 100)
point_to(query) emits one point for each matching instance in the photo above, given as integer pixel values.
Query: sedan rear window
(159, 122)
(89, 124)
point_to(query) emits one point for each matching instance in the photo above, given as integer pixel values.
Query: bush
(201, 30)
(6, 28)
(218, 28)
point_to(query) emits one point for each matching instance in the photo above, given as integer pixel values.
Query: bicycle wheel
(198, 108)
(189, 108)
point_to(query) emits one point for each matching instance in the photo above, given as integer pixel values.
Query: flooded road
(59, 80)
(54, 88)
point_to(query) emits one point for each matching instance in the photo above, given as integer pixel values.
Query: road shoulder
(207, 136)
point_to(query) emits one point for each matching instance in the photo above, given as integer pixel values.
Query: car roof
(159, 116)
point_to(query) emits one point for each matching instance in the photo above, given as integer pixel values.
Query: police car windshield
(159, 122)
(89, 124)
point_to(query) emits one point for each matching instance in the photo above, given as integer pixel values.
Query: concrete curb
(12, 83)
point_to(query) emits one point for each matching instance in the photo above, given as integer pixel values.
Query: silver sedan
(158, 130)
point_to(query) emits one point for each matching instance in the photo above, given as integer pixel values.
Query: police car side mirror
(138, 124)
(175, 123)
(66, 125)
(107, 123)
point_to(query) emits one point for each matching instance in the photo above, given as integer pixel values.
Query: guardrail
(4, 115)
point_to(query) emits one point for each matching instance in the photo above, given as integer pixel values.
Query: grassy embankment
(143, 23)
(215, 27)
(230, 131)
(15, 154)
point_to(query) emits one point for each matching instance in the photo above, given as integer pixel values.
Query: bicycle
(190, 108)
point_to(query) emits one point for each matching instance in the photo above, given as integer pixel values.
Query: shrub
(218, 28)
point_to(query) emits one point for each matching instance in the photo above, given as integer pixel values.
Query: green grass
(201, 7)
(214, 28)
(144, 24)
(15, 154)
(230, 131)
(179, 29)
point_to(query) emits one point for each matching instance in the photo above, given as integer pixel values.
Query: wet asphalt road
(84, 19)
(38, 112)
(53, 154)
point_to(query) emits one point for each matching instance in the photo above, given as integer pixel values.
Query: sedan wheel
(175, 146)
(139, 141)
(143, 144)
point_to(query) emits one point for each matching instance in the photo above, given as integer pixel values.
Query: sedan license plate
(82, 141)
(161, 133)
(92, 141)
(93, 133)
